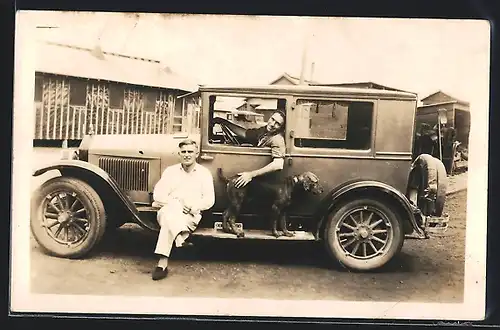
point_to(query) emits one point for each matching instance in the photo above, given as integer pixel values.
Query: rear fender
(101, 181)
(369, 188)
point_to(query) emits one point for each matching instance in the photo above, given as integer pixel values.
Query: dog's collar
(295, 179)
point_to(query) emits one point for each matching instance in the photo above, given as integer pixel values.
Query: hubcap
(65, 218)
(364, 233)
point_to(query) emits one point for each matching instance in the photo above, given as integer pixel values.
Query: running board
(253, 234)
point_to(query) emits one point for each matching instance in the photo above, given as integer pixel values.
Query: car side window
(242, 113)
(334, 124)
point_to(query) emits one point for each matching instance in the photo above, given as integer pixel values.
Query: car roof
(307, 90)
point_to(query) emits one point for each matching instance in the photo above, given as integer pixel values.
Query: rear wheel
(67, 217)
(363, 234)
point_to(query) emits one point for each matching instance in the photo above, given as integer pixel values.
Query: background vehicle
(358, 141)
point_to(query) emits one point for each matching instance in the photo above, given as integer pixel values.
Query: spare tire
(427, 185)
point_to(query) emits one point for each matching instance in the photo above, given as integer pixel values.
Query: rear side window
(334, 124)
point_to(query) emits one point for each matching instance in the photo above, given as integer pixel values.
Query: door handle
(207, 157)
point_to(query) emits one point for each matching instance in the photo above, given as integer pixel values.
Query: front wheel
(67, 217)
(363, 234)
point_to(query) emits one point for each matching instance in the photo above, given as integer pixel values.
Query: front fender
(86, 171)
(354, 188)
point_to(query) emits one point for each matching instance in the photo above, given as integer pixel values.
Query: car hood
(135, 145)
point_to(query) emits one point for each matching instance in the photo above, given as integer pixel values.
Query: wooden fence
(69, 108)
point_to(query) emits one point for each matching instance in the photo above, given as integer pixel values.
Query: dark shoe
(159, 273)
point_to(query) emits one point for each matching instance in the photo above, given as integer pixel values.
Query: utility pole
(97, 50)
(304, 60)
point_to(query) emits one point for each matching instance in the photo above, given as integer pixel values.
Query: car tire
(67, 217)
(345, 230)
(428, 174)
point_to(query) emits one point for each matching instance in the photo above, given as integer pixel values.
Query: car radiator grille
(131, 174)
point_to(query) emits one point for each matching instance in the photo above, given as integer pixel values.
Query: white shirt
(194, 189)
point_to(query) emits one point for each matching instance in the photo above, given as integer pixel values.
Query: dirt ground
(429, 270)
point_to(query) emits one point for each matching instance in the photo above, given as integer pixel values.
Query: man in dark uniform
(270, 135)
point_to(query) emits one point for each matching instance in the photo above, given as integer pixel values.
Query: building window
(334, 124)
(38, 88)
(77, 92)
(116, 95)
(150, 100)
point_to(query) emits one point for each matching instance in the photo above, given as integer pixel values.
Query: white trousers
(175, 227)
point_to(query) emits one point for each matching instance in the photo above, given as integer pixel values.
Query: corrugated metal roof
(86, 63)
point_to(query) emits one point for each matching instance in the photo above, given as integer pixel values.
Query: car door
(216, 153)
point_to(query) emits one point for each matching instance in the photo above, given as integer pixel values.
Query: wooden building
(457, 114)
(265, 107)
(80, 91)
(287, 79)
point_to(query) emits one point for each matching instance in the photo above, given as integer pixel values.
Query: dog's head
(311, 183)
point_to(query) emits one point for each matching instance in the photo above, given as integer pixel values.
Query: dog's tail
(221, 176)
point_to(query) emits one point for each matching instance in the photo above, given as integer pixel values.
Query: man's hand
(186, 209)
(243, 180)
(157, 204)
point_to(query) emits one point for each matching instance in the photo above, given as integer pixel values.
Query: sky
(418, 55)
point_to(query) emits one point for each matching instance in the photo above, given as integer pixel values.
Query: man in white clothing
(183, 191)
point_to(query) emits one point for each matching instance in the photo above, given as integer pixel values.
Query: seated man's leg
(175, 226)
(181, 238)
(171, 224)
(191, 222)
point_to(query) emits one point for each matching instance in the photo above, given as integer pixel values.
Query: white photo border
(22, 300)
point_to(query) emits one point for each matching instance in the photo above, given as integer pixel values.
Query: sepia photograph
(234, 165)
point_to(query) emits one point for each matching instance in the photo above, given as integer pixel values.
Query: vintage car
(357, 141)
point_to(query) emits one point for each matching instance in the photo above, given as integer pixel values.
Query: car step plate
(217, 232)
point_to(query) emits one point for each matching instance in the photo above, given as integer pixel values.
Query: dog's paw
(277, 234)
(240, 234)
(289, 233)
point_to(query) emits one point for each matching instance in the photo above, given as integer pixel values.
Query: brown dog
(279, 193)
